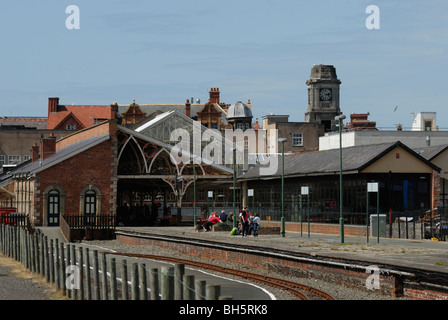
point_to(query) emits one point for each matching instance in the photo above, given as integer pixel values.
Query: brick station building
(107, 169)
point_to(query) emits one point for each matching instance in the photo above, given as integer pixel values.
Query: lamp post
(283, 140)
(341, 218)
(234, 187)
(194, 195)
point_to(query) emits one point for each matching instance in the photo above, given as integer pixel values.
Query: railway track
(302, 292)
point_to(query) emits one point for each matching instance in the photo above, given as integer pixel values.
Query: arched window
(53, 208)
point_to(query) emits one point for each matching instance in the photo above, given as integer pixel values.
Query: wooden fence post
(200, 289)
(57, 265)
(81, 272)
(188, 281)
(167, 283)
(124, 280)
(68, 292)
(63, 266)
(96, 277)
(113, 280)
(179, 271)
(154, 284)
(104, 277)
(212, 292)
(142, 281)
(73, 264)
(134, 282)
(51, 261)
(88, 279)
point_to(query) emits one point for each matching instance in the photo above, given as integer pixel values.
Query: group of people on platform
(249, 223)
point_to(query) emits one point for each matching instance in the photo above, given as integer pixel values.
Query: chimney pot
(53, 104)
(35, 152)
(47, 146)
(188, 108)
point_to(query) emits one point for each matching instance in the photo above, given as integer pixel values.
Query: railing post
(212, 292)
(179, 271)
(142, 281)
(51, 262)
(113, 280)
(154, 284)
(57, 265)
(88, 279)
(73, 264)
(167, 283)
(68, 292)
(200, 289)
(81, 272)
(63, 266)
(134, 282)
(188, 281)
(104, 276)
(124, 280)
(96, 278)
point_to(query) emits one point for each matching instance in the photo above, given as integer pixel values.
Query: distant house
(77, 117)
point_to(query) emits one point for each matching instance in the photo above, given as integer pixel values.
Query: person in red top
(211, 221)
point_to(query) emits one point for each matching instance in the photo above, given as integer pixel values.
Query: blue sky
(168, 51)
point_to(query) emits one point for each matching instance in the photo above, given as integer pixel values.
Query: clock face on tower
(325, 94)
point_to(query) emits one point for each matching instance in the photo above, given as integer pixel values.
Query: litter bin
(374, 225)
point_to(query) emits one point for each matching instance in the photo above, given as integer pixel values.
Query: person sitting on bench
(211, 221)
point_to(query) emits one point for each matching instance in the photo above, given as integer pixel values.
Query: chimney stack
(214, 95)
(53, 105)
(47, 146)
(188, 108)
(35, 152)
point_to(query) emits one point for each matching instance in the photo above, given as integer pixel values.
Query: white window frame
(297, 139)
(14, 159)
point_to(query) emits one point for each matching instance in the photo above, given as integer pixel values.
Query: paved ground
(15, 286)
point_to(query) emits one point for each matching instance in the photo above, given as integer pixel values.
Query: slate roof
(149, 109)
(430, 153)
(355, 159)
(27, 122)
(71, 150)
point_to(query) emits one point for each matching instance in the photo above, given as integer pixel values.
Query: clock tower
(323, 96)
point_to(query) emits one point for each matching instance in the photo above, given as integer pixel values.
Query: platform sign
(372, 187)
(304, 191)
(250, 192)
(210, 194)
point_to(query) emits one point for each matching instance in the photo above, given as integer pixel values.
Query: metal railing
(78, 227)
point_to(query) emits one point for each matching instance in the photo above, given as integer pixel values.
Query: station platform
(425, 255)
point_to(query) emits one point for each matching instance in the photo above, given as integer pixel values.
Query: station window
(297, 139)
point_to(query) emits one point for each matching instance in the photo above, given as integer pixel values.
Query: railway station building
(108, 169)
(408, 181)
